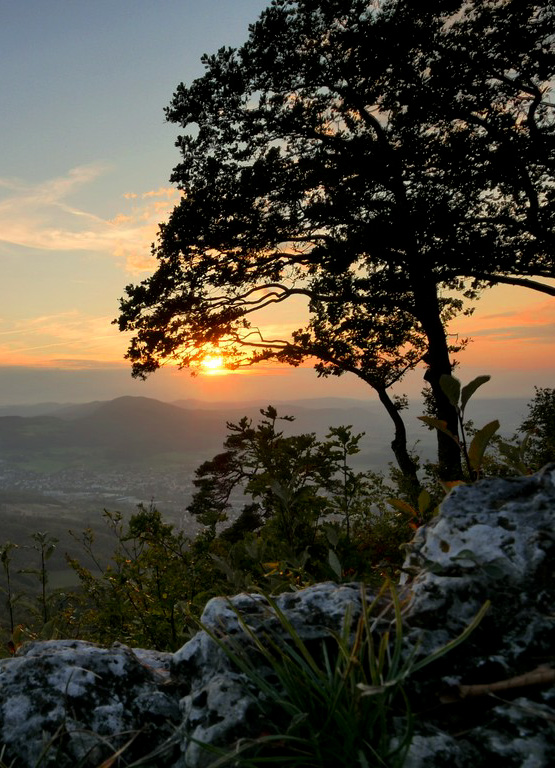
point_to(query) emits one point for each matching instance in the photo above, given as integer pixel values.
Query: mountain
(130, 430)
(73, 462)
(36, 409)
(131, 427)
(124, 430)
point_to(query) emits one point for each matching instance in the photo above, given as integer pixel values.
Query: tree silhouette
(378, 161)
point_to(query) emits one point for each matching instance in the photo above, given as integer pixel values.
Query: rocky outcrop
(69, 703)
(489, 701)
(493, 698)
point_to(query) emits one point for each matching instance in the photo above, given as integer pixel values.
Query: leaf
(470, 389)
(440, 425)
(335, 565)
(479, 444)
(493, 571)
(332, 535)
(223, 565)
(424, 501)
(370, 690)
(451, 388)
(271, 567)
(402, 506)
(466, 554)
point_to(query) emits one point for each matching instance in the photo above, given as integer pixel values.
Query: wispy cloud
(75, 333)
(41, 217)
(529, 333)
(532, 323)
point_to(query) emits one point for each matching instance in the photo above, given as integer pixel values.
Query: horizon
(29, 386)
(80, 203)
(330, 402)
(309, 415)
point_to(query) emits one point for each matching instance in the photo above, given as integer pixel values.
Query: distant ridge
(309, 402)
(129, 428)
(36, 409)
(122, 430)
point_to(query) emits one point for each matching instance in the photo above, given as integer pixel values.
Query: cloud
(532, 323)
(536, 333)
(499, 315)
(88, 337)
(41, 217)
(80, 364)
(165, 192)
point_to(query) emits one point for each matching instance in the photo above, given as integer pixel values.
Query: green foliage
(308, 515)
(349, 490)
(473, 454)
(11, 597)
(533, 446)
(44, 544)
(143, 596)
(31, 615)
(341, 704)
(282, 475)
(539, 448)
(524, 453)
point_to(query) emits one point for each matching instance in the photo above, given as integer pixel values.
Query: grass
(344, 706)
(338, 701)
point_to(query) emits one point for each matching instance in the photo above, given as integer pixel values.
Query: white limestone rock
(69, 702)
(222, 705)
(493, 541)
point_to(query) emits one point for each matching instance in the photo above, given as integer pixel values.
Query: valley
(62, 465)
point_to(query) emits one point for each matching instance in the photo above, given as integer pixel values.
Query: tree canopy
(382, 160)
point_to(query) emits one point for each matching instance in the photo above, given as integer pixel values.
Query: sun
(213, 364)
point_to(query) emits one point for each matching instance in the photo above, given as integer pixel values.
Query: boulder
(493, 697)
(69, 702)
(223, 706)
(491, 700)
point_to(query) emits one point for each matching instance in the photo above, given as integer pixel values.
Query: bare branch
(509, 280)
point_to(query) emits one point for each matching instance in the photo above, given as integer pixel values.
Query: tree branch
(534, 285)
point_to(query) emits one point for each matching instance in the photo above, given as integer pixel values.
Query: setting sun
(213, 364)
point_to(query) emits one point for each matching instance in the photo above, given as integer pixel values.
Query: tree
(382, 161)
(304, 509)
(285, 477)
(540, 424)
(140, 596)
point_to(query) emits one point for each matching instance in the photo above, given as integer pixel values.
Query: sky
(85, 162)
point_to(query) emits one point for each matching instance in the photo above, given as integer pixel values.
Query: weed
(345, 705)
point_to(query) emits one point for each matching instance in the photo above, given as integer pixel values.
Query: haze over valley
(74, 460)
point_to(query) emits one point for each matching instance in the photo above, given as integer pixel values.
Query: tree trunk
(399, 443)
(437, 359)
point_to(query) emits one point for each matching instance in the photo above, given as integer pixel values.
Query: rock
(221, 707)
(69, 702)
(74, 703)
(494, 540)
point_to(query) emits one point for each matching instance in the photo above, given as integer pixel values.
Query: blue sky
(86, 158)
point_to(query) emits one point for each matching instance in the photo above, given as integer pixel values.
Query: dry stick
(538, 676)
